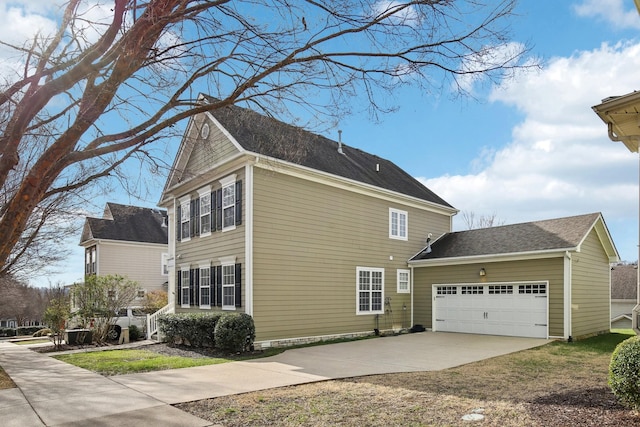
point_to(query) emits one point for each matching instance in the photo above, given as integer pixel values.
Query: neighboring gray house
(129, 241)
(624, 286)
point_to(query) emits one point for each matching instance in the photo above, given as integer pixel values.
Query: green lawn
(116, 362)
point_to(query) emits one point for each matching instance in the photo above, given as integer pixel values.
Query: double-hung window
(185, 218)
(403, 282)
(370, 290)
(228, 202)
(228, 287)
(205, 286)
(398, 223)
(185, 286)
(205, 211)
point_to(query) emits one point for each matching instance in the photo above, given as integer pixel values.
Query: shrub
(624, 372)
(42, 332)
(7, 332)
(194, 329)
(235, 332)
(134, 333)
(27, 330)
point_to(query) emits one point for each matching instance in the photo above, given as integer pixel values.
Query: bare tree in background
(111, 83)
(483, 221)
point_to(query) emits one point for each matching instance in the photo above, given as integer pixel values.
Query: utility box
(78, 336)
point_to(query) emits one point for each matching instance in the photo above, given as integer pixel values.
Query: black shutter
(196, 287)
(238, 202)
(194, 217)
(219, 286)
(179, 288)
(238, 296)
(179, 223)
(213, 213)
(219, 209)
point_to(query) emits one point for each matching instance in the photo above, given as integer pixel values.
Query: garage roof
(538, 237)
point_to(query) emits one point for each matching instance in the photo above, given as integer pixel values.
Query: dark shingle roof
(128, 223)
(624, 282)
(547, 235)
(267, 136)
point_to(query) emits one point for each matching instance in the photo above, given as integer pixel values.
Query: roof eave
(474, 259)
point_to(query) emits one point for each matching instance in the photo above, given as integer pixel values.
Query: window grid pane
(205, 291)
(205, 213)
(228, 285)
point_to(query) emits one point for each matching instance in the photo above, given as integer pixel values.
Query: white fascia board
(215, 172)
(135, 244)
(304, 172)
(518, 256)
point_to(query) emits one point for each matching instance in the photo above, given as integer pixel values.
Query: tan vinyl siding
(141, 263)
(551, 269)
(590, 297)
(204, 155)
(308, 240)
(218, 244)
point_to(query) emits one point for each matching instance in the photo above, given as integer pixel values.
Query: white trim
(412, 292)
(396, 232)
(225, 260)
(516, 256)
(398, 272)
(248, 240)
(567, 296)
(164, 260)
(228, 180)
(371, 270)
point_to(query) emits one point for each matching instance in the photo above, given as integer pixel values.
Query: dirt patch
(5, 380)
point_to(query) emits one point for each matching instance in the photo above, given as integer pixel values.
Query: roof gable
(127, 223)
(255, 133)
(551, 235)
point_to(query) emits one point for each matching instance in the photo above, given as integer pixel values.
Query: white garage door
(512, 309)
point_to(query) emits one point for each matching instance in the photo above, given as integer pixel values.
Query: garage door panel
(494, 309)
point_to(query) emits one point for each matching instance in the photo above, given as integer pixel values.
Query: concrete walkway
(54, 393)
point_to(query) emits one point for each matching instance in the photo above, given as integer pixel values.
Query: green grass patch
(27, 342)
(116, 362)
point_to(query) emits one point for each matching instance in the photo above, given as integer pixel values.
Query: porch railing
(152, 319)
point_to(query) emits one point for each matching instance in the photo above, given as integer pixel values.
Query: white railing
(152, 319)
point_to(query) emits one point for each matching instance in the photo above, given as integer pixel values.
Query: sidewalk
(53, 393)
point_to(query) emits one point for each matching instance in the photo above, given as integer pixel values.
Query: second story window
(398, 223)
(205, 211)
(90, 260)
(185, 219)
(228, 206)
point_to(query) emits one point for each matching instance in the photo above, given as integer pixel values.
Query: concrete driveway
(427, 351)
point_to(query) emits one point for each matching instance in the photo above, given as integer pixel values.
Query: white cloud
(560, 161)
(612, 11)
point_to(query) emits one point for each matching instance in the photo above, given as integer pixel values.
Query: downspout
(567, 297)
(412, 292)
(248, 236)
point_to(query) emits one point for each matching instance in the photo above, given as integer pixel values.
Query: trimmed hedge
(235, 332)
(194, 329)
(624, 372)
(134, 333)
(7, 332)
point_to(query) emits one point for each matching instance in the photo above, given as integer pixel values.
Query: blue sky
(528, 149)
